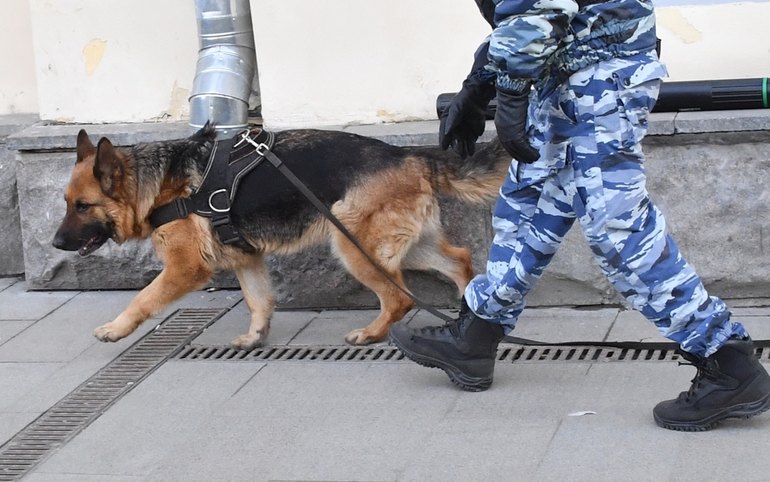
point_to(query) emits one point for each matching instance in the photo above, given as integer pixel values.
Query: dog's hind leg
(433, 252)
(394, 304)
(258, 294)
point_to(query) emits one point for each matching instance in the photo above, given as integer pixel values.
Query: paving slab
(156, 419)
(6, 282)
(397, 421)
(42, 394)
(43, 360)
(421, 318)
(565, 324)
(16, 303)
(36, 477)
(204, 299)
(633, 326)
(757, 308)
(284, 326)
(11, 328)
(331, 326)
(362, 421)
(622, 439)
(13, 422)
(757, 324)
(66, 332)
(16, 379)
(556, 324)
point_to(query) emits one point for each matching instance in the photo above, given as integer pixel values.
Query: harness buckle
(226, 209)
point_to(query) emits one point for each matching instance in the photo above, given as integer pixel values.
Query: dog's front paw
(360, 337)
(112, 332)
(248, 341)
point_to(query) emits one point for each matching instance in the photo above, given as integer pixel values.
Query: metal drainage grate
(377, 353)
(533, 354)
(386, 353)
(86, 403)
(587, 353)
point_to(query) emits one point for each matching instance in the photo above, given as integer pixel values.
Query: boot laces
(706, 371)
(454, 327)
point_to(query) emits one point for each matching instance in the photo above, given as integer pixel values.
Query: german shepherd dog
(385, 195)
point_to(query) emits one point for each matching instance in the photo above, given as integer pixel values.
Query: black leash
(621, 345)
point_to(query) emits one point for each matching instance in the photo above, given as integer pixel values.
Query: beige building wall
(18, 87)
(329, 62)
(726, 41)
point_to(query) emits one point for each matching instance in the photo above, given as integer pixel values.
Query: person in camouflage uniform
(575, 83)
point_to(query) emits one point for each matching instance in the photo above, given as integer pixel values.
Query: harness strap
(229, 161)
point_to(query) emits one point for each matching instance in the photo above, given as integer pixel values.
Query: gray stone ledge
(722, 121)
(12, 123)
(661, 124)
(42, 136)
(52, 137)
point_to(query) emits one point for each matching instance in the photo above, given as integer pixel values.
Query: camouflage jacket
(537, 41)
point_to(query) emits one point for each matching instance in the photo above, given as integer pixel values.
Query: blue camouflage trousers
(588, 131)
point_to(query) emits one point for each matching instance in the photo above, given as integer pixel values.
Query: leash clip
(261, 148)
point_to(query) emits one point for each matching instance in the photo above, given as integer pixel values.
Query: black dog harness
(229, 162)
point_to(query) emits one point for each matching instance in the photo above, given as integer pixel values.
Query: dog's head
(95, 197)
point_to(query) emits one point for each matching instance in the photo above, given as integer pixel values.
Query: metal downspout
(226, 66)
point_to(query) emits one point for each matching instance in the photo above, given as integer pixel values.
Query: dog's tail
(475, 179)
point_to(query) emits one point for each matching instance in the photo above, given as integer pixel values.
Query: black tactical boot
(731, 383)
(464, 348)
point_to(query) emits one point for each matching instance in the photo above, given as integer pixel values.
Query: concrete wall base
(11, 252)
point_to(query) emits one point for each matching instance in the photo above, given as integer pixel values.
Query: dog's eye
(82, 207)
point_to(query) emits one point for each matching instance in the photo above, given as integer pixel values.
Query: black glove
(511, 125)
(464, 120)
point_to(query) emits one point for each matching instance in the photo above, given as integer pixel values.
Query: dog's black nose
(58, 241)
(63, 242)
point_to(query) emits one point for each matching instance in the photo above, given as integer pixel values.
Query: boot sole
(465, 382)
(746, 410)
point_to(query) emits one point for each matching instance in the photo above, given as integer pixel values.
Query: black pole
(685, 96)
(713, 95)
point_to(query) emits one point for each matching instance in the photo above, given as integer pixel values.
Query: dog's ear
(108, 168)
(85, 148)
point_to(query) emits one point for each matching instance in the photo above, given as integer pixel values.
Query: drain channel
(86, 403)
(386, 353)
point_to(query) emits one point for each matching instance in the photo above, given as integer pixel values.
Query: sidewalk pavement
(360, 421)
